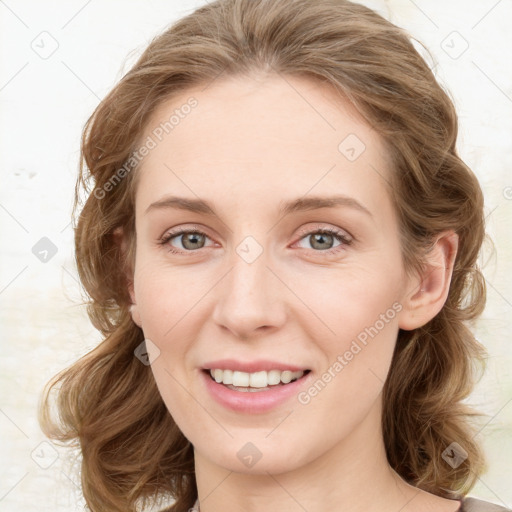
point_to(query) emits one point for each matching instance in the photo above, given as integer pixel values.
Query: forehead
(262, 139)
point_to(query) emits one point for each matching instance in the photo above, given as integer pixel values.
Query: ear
(425, 295)
(121, 241)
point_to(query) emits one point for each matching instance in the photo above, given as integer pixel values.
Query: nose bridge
(248, 296)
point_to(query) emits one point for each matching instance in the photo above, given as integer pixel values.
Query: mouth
(256, 381)
(254, 392)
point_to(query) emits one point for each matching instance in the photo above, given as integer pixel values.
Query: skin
(249, 144)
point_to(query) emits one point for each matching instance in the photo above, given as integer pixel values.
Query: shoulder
(476, 505)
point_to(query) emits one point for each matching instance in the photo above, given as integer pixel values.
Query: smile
(257, 381)
(256, 392)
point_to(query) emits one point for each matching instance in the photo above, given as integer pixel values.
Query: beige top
(476, 505)
(467, 505)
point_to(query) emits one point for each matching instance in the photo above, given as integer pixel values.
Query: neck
(353, 475)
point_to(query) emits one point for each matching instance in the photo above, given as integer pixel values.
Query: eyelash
(324, 231)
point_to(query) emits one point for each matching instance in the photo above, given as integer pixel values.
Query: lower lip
(253, 402)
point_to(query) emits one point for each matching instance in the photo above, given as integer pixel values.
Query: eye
(321, 240)
(190, 239)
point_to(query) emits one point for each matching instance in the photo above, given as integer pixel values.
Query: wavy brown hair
(109, 405)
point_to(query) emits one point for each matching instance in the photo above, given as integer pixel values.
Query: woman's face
(263, 286)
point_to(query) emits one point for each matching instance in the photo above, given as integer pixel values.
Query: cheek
(348, 303)
(164, 296)
(356, 358)
(358, 312)
(165, 302)
(174, 389)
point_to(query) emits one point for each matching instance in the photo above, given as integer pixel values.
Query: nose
(250, 299)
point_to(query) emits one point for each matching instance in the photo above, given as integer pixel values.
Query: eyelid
(343, 236)
(303, 231)
(181, 230)
(324, 227)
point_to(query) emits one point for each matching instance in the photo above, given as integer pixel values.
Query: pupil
(191, 238)
(320, 238)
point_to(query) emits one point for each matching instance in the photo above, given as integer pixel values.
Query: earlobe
(134, 311)
(427, 294)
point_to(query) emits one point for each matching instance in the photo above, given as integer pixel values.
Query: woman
(280, 243)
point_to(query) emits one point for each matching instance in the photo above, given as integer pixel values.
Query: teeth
(254, 380)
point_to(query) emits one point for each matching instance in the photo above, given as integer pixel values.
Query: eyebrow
(296, 205)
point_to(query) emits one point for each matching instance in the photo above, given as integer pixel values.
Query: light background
(44, 102)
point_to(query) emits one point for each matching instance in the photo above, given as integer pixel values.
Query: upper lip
(251, 366)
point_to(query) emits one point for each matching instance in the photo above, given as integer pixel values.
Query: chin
(250, 460)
